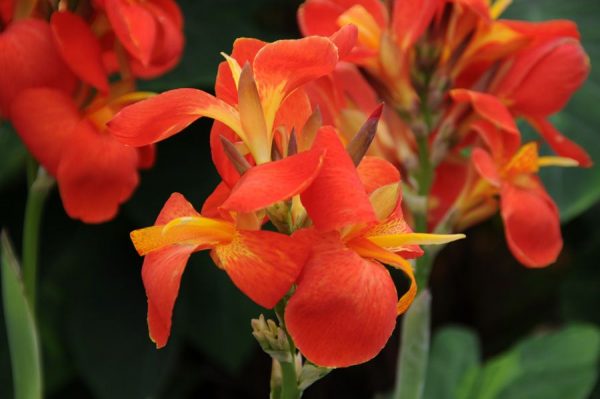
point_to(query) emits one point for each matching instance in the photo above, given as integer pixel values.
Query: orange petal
(293, 112)
(336, 198)
(166, 114)
(282, 66)
(344, 308)
(320, 17)
(96, 174)
(485, 166)
(211, 206)
(146, 156)
(376, 172)
(531, 224)
(79, 48)
(502, 143)
(45, 120)
(266, 184)
(135, 27)
(411, 18)
(345, 40)
(559, 143)
(262, 264)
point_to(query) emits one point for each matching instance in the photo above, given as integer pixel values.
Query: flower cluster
(67, 68)
(338, 212)
(455, 78)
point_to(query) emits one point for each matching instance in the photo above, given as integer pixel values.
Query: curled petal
(96, 174)
(262, 264)
(79, 48)
(344, 308)
(166, 114)
(531, 225)
(485, 166)
(559, 143)
(266, 184)
(488, 107)
(336, 198)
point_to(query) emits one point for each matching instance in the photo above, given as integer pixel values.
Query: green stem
(38, 191)
(289, 384)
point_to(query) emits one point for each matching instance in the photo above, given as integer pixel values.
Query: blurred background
(92, 306)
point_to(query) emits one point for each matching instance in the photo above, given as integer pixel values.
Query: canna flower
(95, 173)
(345, 305)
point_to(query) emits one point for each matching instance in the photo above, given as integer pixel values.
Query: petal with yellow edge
(266, 184)
(344, 308)
(166, 114)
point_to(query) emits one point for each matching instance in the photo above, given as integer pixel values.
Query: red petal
(485, 166)
(559, 143)
(319, 17)
(146, 156)
(161, 274)
(336, 198)
(28, 58)
(345, 40)
(344, 308)
(376, 172)
(211, 206)
(352, 84)
(166, 114)
(531, 224)
(262, 264)
(175, 207)
(79, 48)
(488, 107)
(502, 143)
(450, 179)
(266, 184)
(95, 174)
(411, 18)
(45, 120)
(293, 112)
(135, 27)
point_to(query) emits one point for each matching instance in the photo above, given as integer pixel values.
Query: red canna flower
(345, 305)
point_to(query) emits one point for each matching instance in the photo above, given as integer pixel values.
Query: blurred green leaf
(574, 190)
(557, 365)
(218, 314)
(454, 352)
(21, 328)
(12, 154)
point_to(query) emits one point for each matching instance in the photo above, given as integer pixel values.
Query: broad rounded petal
(531, 224)
(559, 143)
(376, 172)
(161, 274)
(282, 66)
(344, 308)
(28, 59)
(96, 174)
(293, 112)
(266, 184)
(336, 198)
(45, 120)
(488, 107)
(135, 27)
(485, 166)
(79, 48)
(166, 114)
(262, 264)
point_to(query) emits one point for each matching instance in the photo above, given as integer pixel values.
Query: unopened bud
(239, 162)
(360, 143)
(271, 339)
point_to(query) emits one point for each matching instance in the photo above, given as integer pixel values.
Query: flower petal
(485, 166)
(79, 48)
(376, 172)
(344, 308)
(531, 224)
(166, 114)
(488, 107)
(45, 120)
(411, 18)
(266, 184)
(262, 264)
(336, 198)
(96, 174)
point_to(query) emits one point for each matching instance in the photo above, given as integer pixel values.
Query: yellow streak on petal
(252, 117)
(234, 67)
(557, 161)
(498, 8)
(384, 200)
(397, 240)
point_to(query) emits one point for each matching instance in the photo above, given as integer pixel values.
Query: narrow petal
(166, 114)
(488, 107)
(345, 40)
(252, 118)
(45, 120)
(485, 166)
(344, 308)
(531, 224)
(266, 184)
(96, 174)
(135, 27)
(393, 241)
(262, 264)
(559, 143)
(282, 66)
(336, 198)
(411, 18)
(79, 48)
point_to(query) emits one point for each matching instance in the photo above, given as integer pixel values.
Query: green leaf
(557, 365)
(454, 353)
(21, 328)
(574, 190)
(12, 154)
(414, 349)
